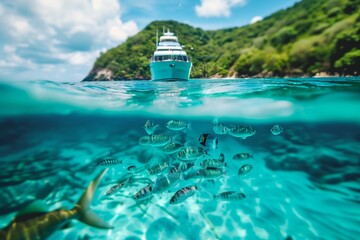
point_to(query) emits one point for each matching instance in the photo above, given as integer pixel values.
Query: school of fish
(180, 175)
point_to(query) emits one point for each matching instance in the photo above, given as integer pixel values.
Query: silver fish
(172, 147)
(114, 189)
(180, 167)
(276, 130)
(220, 129)
(109, 161)
(164, 183)
(209, 173)
(144, 140)
(230, 196)
(159, 140)
(177, 125)
(244, 169)
(242, 156)
(212, 163)
(190, 153)
(158, 168)
(155, 140)
(150, 127)
(41, 225)
(182, 194)
(241, 131)
(144, 193)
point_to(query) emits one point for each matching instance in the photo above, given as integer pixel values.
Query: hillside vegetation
(308, 38)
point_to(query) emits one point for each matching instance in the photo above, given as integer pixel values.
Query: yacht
(169, 62)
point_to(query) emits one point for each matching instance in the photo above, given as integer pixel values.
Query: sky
(60, 40)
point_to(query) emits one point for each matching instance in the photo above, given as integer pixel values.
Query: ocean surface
(303, 183)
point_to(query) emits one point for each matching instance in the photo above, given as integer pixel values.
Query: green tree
(349, 64)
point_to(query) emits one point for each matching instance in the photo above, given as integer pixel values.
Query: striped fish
(244, 169)
(183, 194)
(180, 167)
(144, 193)
(242, 156)
(209, 173)
(177, 125)
(190, 153)
(159, 140)
(114, 189)
(109, 161)
(230, 196)
(158, 168)
(172, 148)
(241, 131)
(164, 183)
(212, 163)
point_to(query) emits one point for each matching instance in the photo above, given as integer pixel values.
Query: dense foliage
(308, 38)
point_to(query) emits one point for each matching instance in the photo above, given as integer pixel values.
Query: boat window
(160, 50)
(181, 58)
(168, 40)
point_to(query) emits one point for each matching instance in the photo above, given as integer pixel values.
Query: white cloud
(14, 60)
(9, 49)
(217, 8)
(256, 19)
(62, 33)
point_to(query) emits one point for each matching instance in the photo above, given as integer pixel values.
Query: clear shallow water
(304, 182)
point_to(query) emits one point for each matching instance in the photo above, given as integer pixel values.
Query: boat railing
(164, 58)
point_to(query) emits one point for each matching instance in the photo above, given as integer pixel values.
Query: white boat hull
(170, 70)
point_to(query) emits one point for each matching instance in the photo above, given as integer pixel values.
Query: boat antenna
(157, 37)
(163, 30)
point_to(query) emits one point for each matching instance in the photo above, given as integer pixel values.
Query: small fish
(114, 189)
(177, 125)
(276, 130)
(230, 196)
(109, 161)
(150, 127)
(209, 173)
(172, 147)
(131, 168)
(182, 194)
(242, 156)
(159, 140)
(165, 182)
(208, 140)
(155, 140)
(144, 193)
(212, 163)
(144, 140)
(158, 168)
(220, 129)
(241, 131)
(244, 169)
(42, 224)
(180, 167)
(190, 153)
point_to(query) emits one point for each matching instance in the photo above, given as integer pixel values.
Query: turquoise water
(304, 183)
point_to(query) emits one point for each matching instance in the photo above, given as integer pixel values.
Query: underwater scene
(202, 159)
